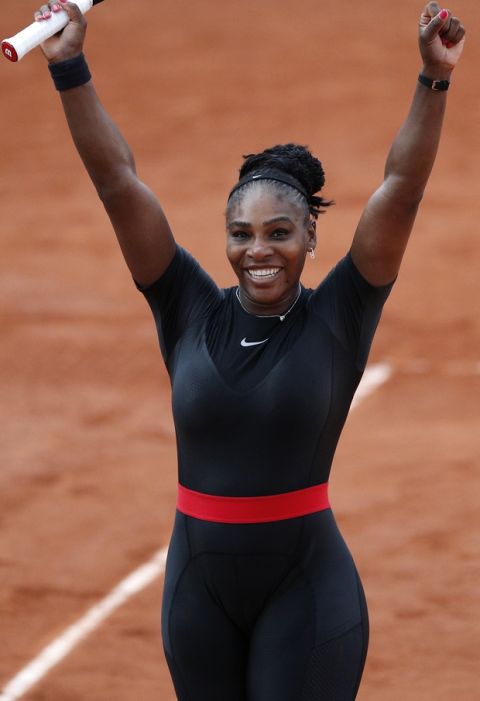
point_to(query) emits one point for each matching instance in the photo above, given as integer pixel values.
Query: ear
(312, 234)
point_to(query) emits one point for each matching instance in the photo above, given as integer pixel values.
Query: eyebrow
(241, 224)
(281, 217)
(267, 222)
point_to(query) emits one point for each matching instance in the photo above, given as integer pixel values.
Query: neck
(279, 309)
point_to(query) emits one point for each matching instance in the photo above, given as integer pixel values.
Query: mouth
(262, 273)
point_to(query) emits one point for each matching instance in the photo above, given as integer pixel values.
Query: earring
(312, 253)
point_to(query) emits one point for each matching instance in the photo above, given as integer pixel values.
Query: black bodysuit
(269, 611)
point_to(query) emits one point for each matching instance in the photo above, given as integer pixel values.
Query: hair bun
(296, 161)
(293, 159)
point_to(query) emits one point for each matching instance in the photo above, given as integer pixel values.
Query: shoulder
(181, 263)
(345, 280)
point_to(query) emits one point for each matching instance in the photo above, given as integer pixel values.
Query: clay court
(88, 465)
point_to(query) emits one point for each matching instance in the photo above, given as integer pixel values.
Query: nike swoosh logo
(246, 343)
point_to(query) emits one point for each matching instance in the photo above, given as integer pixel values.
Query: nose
(259, 249)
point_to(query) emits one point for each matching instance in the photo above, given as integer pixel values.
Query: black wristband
(70, 73)
(436, 85)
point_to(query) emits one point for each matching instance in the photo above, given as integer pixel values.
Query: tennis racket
(17, 46)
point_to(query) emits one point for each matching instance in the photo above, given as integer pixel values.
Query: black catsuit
(265, 611)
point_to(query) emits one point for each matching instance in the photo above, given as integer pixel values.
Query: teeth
(264, 272)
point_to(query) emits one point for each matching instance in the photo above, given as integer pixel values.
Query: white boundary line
(374, 376)
(58, 649)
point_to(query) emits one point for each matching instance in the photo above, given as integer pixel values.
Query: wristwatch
(437, 85)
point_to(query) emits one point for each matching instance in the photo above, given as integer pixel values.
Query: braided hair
(304, 175)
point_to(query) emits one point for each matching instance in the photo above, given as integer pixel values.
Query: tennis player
(262, 599)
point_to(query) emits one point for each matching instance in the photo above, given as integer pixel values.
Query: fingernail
(444, 14)
(38, 18)
(56, 8)
(47, 14)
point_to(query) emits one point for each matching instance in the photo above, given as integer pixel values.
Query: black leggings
(263, 612)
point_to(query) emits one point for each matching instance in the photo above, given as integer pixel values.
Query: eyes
(276, 234)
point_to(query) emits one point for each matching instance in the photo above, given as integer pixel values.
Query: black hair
(295, 161)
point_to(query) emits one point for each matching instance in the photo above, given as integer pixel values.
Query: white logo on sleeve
(246, 343)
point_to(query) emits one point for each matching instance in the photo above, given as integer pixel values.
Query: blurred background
(88, 466)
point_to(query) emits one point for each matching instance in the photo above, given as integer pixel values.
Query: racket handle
(17, 46)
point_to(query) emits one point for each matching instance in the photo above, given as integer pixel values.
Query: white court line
(58, 649)
(374, 376)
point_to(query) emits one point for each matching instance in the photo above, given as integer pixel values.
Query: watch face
(440, 85)
(436, 85)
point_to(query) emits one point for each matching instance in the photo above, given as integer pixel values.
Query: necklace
(270, 316)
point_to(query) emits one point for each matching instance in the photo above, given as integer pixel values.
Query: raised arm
(384, 228)
(141, 227)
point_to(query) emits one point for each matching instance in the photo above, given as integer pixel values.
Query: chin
(263, 289)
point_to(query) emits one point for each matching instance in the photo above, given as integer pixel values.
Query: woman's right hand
(69, 42)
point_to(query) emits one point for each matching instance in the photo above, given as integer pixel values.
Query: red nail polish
(444, 14)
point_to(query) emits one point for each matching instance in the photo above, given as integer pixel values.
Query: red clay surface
(87, 478)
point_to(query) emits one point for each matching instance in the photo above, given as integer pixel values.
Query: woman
(262, 599)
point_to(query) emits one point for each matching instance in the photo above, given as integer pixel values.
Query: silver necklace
(270, 316)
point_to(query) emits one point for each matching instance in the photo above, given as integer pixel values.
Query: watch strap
(436, 85)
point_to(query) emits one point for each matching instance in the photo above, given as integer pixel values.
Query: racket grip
(17, 46)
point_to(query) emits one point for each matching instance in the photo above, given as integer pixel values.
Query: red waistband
(277, 507)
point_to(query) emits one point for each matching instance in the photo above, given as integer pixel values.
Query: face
(267, 241)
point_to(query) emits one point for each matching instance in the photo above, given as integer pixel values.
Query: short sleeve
(351, 307)
(184, 294)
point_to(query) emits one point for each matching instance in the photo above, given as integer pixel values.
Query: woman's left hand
(441, 39)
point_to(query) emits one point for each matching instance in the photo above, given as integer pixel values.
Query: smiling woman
(266, 247)
(263, 375)
(271, 216)
(262, 599)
